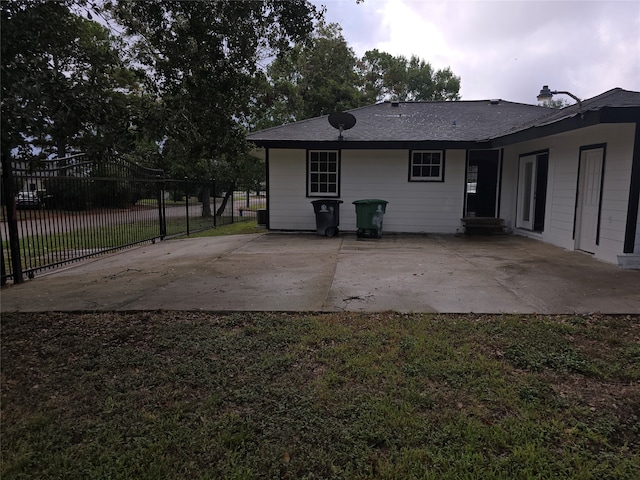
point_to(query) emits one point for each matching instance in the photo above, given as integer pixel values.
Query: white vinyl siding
(413, 207)
(289, 207)
(562, 197)
(615, 196)
(564, 155)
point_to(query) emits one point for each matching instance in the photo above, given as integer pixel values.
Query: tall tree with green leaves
(64, 85)
(313, 79)
(32, 31)
(388, 77)
(55, 69)
(202, 59)
(324, 75)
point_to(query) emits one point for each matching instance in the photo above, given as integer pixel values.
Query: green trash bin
(369, 215)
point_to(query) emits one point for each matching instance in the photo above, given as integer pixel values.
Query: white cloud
(505, 49)
(410, 34)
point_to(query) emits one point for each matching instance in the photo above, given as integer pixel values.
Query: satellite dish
(342, 121)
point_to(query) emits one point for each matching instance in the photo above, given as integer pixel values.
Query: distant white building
(32, 180)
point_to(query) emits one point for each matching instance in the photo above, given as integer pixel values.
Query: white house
(570, 177)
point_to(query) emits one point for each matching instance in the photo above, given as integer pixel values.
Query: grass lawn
(39, 250)
(157, 395)
(237, 228)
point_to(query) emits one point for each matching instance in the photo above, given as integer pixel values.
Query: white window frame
(321, 179)
(439, 164)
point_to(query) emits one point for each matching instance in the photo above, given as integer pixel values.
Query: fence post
(8, 188)
(233, 207)
(186, 197)
(215, 208)
(161, 210)
(3, 273)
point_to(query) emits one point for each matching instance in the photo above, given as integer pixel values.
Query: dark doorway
(541, 192)
(482, 183)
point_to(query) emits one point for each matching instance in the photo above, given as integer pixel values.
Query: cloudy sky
(505, 49)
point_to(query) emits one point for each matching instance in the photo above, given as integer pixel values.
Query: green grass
(178, 225)
(345, 396)
(38, 250)
(240, 227)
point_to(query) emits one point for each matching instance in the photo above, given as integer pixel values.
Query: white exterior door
(526, 192)
(588, 207)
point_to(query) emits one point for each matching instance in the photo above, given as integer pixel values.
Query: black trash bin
(327, 216)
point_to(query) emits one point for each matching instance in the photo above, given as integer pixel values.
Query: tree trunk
(223, 205)
(61, 150)
(206, 200)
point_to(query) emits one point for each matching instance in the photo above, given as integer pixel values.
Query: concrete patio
(303, 272)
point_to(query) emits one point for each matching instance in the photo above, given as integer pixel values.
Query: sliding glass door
(532, 191)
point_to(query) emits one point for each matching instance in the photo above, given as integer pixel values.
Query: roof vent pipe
(495, 101)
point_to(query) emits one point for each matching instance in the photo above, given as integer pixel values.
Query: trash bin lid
(369, 201)
(326, 200)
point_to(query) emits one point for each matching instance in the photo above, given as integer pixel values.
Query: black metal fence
(70, 209)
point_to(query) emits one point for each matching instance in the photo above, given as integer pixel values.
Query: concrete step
(483, 226)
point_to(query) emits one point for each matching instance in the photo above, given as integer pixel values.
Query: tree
(64, 85)
(27, 38)
(387, 77)
(202, 60)
(555, 103)
(30, 31)
(324, 75)
(313, 79)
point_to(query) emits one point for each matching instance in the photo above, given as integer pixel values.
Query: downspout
(634, 196)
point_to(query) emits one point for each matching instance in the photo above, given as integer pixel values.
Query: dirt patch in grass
(271, 395)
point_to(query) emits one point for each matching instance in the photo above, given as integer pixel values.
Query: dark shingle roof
(462, 121)
(615, 98)
(412, 121)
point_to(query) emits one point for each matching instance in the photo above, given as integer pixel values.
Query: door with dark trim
(532, 191)
(589, 199)
(483, 171)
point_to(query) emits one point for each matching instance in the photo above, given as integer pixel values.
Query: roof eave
(367, 145)
(575, 122)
